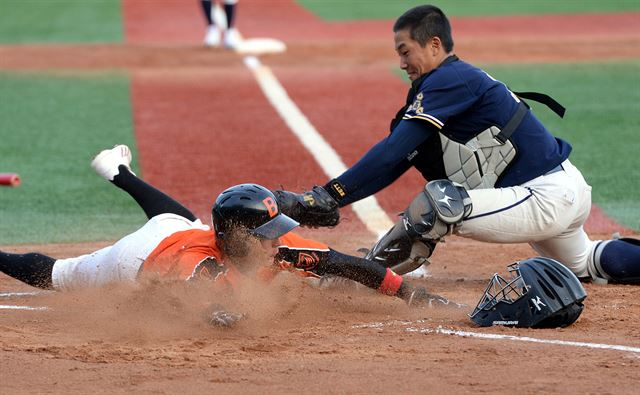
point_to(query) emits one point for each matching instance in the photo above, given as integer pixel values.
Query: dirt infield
(205, 105)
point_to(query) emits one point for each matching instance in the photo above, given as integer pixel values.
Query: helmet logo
(538, 302)
(271, 206)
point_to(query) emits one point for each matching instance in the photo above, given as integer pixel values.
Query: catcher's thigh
(542, 208)
(121, 261)
(548, 212)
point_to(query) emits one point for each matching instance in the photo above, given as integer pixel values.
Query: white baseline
(493, 336)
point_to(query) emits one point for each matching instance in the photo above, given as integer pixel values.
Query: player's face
(270, 246)
(416, 60)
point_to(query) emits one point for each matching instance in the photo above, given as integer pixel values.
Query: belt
(554, 170)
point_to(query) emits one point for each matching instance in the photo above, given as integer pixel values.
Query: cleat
(232, 38)
(212, 38)
(106, 163)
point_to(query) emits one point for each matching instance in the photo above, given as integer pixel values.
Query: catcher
(496, 173)
(174, 244)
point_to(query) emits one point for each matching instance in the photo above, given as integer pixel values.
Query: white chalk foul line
(496, 336)
(13, 295)
(10, 307)
(16, 295)
(368, 210)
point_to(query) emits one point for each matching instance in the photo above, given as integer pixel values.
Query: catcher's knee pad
(432, 214)
(392, 248)
(401, 253)
(437, 210)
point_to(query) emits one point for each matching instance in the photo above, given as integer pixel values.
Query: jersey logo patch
(207, 269)
(416, 106)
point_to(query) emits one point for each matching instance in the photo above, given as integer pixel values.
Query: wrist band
(391, 283)
(336, 189)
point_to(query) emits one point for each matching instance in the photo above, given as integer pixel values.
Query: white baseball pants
(547, 212)
(122, 260)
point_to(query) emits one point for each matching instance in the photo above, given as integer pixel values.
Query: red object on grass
(9, 179)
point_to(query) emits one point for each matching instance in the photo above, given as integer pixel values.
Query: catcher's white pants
(547, 212)
(122, 260)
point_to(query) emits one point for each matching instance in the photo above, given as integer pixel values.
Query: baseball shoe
(212, 38)
(232, 38)
(106, 163)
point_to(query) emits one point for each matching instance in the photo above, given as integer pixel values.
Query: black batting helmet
(253, 208)
(541, 293)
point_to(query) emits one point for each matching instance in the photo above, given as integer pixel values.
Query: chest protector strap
(479, 162)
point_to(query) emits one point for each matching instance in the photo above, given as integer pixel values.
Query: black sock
(152, 200)
(620, 259)
(33, 268)
(206, 8)
(230, 11)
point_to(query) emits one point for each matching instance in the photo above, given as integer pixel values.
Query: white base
(259, 46)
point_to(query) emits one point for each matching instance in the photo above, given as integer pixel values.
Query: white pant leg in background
(121, 261)
(547, 212)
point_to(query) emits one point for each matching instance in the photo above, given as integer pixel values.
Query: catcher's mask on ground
(540, 293)
(248, 210)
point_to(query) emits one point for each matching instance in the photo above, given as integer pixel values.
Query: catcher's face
(415, 59)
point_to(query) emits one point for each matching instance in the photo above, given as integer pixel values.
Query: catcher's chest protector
(479, 162)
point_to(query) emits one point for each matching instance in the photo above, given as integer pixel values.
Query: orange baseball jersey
(193, 254)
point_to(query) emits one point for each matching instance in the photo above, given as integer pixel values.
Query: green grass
(341, 10)
(50, 129)
(53, 21)
(602, 124)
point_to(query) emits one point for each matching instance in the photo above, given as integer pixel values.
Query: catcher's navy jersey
(461, 100)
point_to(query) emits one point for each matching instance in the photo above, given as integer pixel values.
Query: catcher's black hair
(425, 22)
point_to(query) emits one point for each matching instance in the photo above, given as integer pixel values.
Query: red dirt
(202, 124)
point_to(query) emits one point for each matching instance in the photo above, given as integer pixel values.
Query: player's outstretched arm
(382, 279)
(297, 253)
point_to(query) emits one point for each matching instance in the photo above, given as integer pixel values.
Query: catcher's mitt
(313, 208)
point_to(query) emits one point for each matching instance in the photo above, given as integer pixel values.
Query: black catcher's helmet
(541, 293)
(252, 208)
